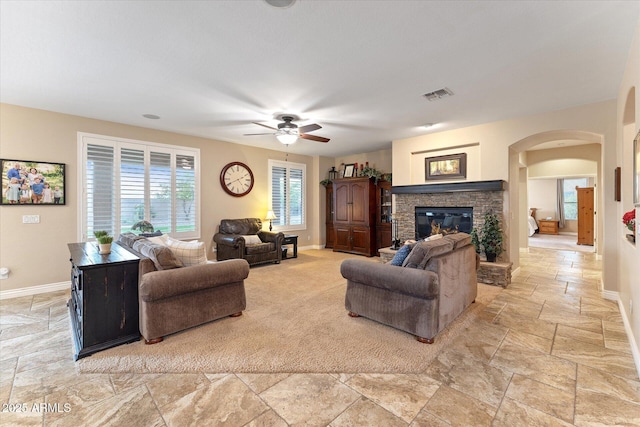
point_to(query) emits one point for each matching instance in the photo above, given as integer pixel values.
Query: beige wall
(37, 253)
(628, 261)
(497, 153)
(380, 160)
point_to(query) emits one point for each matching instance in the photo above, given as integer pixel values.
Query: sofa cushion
(459, 240)
(401, 255)
(162, 257)
(424, 251)
(260, 248)
(189, 253)
(251, 239)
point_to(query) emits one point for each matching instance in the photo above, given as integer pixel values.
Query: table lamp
(271, 216)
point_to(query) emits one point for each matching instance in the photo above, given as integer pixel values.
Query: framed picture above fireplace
(452, 166)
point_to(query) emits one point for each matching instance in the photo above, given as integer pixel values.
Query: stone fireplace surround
(483, 196)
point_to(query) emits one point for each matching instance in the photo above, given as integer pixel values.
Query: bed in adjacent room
(533, 224)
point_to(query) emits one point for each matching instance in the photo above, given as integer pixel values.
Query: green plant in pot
(474, 239)
(104, 241)
(490, 237)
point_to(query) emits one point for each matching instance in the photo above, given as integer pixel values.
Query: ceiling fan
(288, 132)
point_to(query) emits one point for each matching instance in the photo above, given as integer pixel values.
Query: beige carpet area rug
(295, 321)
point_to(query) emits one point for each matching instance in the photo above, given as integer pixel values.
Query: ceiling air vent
(437, 94)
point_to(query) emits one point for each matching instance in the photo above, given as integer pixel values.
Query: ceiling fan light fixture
(287, 136)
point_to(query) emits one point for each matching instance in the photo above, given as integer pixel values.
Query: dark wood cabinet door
(359, 203)
(342, 198)
(360, 239)
(342, 241)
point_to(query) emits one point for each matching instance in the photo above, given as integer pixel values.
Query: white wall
(543, 194)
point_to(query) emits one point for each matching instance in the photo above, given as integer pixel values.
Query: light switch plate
(30, 219)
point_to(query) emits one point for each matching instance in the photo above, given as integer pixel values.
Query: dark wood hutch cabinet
(383, 216)
(104, 298)
(329, 214)
(355, 201)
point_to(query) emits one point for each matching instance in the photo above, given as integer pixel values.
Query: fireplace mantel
(449, 187)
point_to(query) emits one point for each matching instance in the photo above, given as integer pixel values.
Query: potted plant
(629, 221)
(144, 226)
(474, 239)
(104, 241)
(490, 237)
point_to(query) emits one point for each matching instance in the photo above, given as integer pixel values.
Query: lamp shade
(271, 215)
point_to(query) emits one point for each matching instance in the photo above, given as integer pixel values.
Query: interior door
(585, 216)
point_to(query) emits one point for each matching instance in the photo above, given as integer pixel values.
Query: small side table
(291, 239)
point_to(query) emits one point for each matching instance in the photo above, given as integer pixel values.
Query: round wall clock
(236, 179)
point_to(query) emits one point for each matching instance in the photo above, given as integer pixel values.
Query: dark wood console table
(104, 298)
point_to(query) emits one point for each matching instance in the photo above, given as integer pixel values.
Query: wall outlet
(31, 219)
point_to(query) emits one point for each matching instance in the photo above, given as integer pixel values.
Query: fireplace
(480, 196)
(446, 219)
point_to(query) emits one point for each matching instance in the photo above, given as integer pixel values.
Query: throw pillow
(424, 251)
(162, 257)
(159, 240)
(402, 253)
(189, 253)
(252, 239)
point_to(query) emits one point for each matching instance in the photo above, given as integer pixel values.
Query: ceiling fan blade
(309, 128)
(251, 134)
(314, 137)
(260, 124)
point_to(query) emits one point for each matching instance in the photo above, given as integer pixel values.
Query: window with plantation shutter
(287, 194)
(125, 181)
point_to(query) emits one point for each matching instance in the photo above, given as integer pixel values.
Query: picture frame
(349, 169)
(38, 183)
(617, 196)
(452, 166)
(636, 170)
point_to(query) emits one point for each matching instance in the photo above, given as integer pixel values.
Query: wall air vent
(437, 94)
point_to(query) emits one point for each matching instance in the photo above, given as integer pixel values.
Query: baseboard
(627, 327)
(610, 295)
(34, 290)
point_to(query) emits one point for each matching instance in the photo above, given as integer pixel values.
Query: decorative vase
(631, 238)
(105, 248)
(491, 257)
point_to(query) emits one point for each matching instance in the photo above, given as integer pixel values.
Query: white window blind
(287, 193)
(126, 181)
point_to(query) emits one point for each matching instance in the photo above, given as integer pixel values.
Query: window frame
(288, 166)
(86, 139)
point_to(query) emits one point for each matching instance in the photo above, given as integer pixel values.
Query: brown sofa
(436, 282)
(173, 298)
(231, 242)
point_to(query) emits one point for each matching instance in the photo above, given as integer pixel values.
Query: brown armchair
(231, 241)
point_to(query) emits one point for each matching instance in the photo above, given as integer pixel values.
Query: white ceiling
(357, 68)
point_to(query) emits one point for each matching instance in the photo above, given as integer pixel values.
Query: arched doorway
(517, 177)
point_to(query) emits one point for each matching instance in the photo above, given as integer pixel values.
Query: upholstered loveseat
(244, 238)
(435, 283)
(174, 296)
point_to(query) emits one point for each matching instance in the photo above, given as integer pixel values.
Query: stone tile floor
(548, 351)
